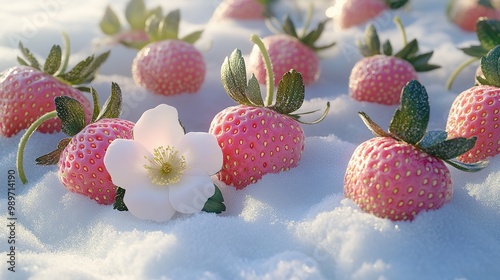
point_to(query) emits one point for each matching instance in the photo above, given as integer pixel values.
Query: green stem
(24, 140)
(269, 69)
(399, 24)
(309, 14)
(459, 69)
(65, 55)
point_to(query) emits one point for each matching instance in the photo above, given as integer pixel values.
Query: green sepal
(97, 104)
(376, 130)
(488, 33)
(467, 167)
(387, 48)
(475, 51)
(421, 62)
(297, 116)
(290, 93)
(110, 23)
(410, 120)
(32, 61)
(191, 38)
(118, 204)
(233, 77)
(288, 27)
(169, 25)
(53, 61)
(52, 158)
(490, 65)
(395, 4)
(486, 3)
(451, 148)
(84, 71)
(432, 138)
(370, 45)
(112, 108)
(253, 93)
(215, 204)
(71, 114)
(135, 13)
(409, 50)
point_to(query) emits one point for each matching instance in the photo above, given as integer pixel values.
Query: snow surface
(293, 225)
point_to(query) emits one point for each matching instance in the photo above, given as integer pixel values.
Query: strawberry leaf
(475, 51)
(75, 73)
(112, 108)
(215, 204)
(135, 13)
(490, 67)
(409, 50)
(90, 71)
(53, 61)
(387, 48)
(118, 203)
(451, 148)
(71, 114)
(253, 93)
(289, 27)
(53, 157)
(169, 25)
(233, 77)
(32, 61)
(110, 23)
(433, 137)
(96, 103)
(410, 120)
(488, 33)
(395, 4)
(467, 167)
(370, 44)
(192, 37)
(290, 94)
(376, 130)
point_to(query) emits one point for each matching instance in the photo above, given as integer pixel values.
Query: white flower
(162, 169)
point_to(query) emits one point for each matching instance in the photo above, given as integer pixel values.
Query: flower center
(166, 167)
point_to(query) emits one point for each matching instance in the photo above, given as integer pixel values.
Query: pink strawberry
(80, 158)
(242, 10)
(169, 65)
(348, 13)
(289, 51)
(476, 112)
(256, 137)
(380, 76)
(400, 173)
(81, 168)
(465, 13)
(28, 91)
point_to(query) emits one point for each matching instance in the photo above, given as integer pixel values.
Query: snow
(291, 225)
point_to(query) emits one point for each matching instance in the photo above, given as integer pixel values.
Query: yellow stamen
(166, 167)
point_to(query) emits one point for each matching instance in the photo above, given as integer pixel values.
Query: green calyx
(371, 45)
(151, 22)
(308, 38)
(409, 125)
(290, 93)
(57, 61)
(490, 68)
(72, 116)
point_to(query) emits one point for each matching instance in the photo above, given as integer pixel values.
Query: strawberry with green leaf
(290, 50)
(381, 74)
(80, 156)
(28, 91)
(488, 34)
(136, 15)
(465, 13)
(476, 112)
(258, 137)
(169, 65)
(402, 172)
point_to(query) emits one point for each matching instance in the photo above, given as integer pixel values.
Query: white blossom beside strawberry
(163, 170)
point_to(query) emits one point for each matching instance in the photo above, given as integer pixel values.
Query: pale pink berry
(396, 180)
(476, 112)
(349, 13)
(240, 10)
(255, 141)
(81, 165)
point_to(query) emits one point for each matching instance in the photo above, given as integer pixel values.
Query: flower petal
(158, 127)
(202, 153)
(149, 202)
(191, 193)
(125, 161)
